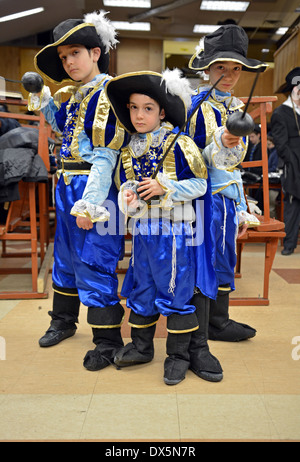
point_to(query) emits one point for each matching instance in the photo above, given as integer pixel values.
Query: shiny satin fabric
(224, 228)
(205, 245)
(160, 278)
(86, 260)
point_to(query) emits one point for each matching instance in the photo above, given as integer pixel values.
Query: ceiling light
(281, 30)
(128, 3)
(204, 29)
(21, 14)
(265, 50)
(223, 6)
(125, 25)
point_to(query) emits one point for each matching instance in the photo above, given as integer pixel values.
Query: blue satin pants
(85, 260)
(160, 255)
(224, 231)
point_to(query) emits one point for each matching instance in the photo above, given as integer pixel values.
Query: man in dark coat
(285, 125)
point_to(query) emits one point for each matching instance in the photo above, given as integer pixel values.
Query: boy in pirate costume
(84, 261)
(161, 275)
(224, 53)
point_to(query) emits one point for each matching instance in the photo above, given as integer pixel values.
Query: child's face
(231, 71)
(78, 62)
(145, 113)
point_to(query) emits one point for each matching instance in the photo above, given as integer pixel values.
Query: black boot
(179, 336)
(221, 327)
(64, 316)
(202, 362)
(141, 349)
(106, 326)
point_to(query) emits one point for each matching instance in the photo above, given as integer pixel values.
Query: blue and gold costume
(162, 273)
(161, 277)
(91, 139)
(226, 45)
(228, 207)
(85, 260)
(225, 178)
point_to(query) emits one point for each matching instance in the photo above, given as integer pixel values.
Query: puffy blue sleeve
(99, 143)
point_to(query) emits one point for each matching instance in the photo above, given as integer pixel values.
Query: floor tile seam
(92, 394)
(262, 397)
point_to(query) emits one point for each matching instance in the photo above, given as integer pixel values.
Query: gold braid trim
(58, 96)
(210, 122)
(193, 156)
(80, 120)
(100, 122)
(171, 331)
(66, 294)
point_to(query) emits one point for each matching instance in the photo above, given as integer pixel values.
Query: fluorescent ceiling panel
(281, 30)
(128, 3)
(204, 28)
(124, 25)
(223, 5)
(21, 14)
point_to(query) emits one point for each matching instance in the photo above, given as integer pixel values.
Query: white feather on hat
(178, 85)
(104, 28)
(200, 46)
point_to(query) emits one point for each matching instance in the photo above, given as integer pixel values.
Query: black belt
(61, 164)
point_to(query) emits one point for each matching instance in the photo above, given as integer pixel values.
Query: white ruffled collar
(83, 90)
(229, 101)
(140, 143)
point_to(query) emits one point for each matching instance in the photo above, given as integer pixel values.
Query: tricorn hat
(228, 43)
(92, 31)
(291, 80)
(169, 89)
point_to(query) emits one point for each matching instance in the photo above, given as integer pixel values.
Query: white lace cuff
(226, 158)
(166, 201)
(95, 213)
(246, 218)
(37, 102)
(138, 208)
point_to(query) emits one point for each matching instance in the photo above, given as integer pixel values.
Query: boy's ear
(162, 114)
(206, 71)
(96, 53)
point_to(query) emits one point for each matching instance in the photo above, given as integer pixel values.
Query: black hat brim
(148, 83)
(285, 88)
(202, 62)
(288, 85)
(48, 63)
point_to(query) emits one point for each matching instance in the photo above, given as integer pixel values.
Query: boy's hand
(84, 223)
(229, 140)
(149, 188)
(130, 198)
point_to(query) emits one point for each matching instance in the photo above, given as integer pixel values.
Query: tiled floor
(46, 394)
